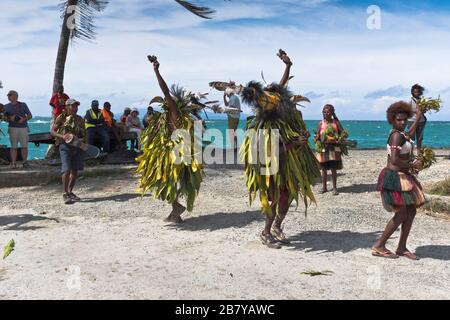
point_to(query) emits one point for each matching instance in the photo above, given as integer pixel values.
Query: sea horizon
(369, 134)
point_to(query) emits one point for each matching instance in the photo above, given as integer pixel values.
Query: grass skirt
(330, 158)
(399, 189)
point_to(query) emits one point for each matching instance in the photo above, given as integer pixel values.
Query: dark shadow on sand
(123, 197)
(218, 221)
(434, 252)
(18, 221)
(358, 188)
(329, 241)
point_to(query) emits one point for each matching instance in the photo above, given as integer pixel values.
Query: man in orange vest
(111, 124)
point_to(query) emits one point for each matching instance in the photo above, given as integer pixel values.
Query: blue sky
(337, 59)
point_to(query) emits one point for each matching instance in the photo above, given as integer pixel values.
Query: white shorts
(18, 135)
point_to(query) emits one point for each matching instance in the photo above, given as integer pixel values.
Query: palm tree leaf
(84, 28)
(203, 12)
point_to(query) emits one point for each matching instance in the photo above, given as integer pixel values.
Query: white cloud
(332, 51)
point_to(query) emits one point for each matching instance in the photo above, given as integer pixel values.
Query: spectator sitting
(111, 124)
(148, 116)
(126, 113)
(17, 114)
(96, 126)
(134, 125)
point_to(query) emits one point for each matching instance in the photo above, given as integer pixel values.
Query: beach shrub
(441, 188)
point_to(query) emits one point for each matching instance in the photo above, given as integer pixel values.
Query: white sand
(124, 250)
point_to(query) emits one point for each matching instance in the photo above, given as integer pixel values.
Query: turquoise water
(369, 134)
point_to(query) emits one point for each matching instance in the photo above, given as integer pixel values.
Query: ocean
(368, 134)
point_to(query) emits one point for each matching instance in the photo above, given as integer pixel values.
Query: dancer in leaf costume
(161, 172)
(275, 108)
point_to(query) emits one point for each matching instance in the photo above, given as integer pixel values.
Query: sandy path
(122, 249)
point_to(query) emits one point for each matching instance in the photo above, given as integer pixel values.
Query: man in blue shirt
(17, 114)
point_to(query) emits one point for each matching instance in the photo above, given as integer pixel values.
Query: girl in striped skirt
(329, 156)
(401, 192)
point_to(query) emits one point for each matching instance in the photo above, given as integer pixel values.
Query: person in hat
(134, 125)
(65, 126)
(17, 114)
(96, 126)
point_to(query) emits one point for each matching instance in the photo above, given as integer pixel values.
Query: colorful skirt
(399, 189)
(330, 158)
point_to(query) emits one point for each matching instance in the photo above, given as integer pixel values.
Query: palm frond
(198, 10)
(84, 28)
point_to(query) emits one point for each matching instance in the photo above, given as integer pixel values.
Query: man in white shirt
(232, 104)
(417, 92)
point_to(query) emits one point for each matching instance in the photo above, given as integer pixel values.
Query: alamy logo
(264, 147)
(374, 19)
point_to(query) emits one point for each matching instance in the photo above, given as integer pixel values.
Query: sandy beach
(115, 245)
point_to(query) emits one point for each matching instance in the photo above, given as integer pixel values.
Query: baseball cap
(72, 101)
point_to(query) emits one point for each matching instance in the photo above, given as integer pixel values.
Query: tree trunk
(62, 49)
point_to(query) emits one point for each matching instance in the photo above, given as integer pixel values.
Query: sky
(338, 56)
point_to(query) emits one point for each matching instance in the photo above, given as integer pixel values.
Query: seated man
(96, 126)
(111, 127)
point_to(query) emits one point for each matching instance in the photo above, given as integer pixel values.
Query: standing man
(96, 126)
(417, 93)
(17, 114)
(66, 127)
(233, 116)
(58, 102)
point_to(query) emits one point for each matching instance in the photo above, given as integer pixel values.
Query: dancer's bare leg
(177, 211)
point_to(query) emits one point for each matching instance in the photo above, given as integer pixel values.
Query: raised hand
(284, 57)
(154, 61)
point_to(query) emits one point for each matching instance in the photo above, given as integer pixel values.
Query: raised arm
(171, 105)
(287, 61)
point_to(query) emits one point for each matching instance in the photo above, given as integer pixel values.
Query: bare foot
(175, 215)
(174, 219)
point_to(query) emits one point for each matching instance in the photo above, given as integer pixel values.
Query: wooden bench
(46, 138)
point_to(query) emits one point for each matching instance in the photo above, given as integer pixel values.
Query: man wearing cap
(17, 114)
(65, 126)
(111, 123)
(233, 117)
(96, 126)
